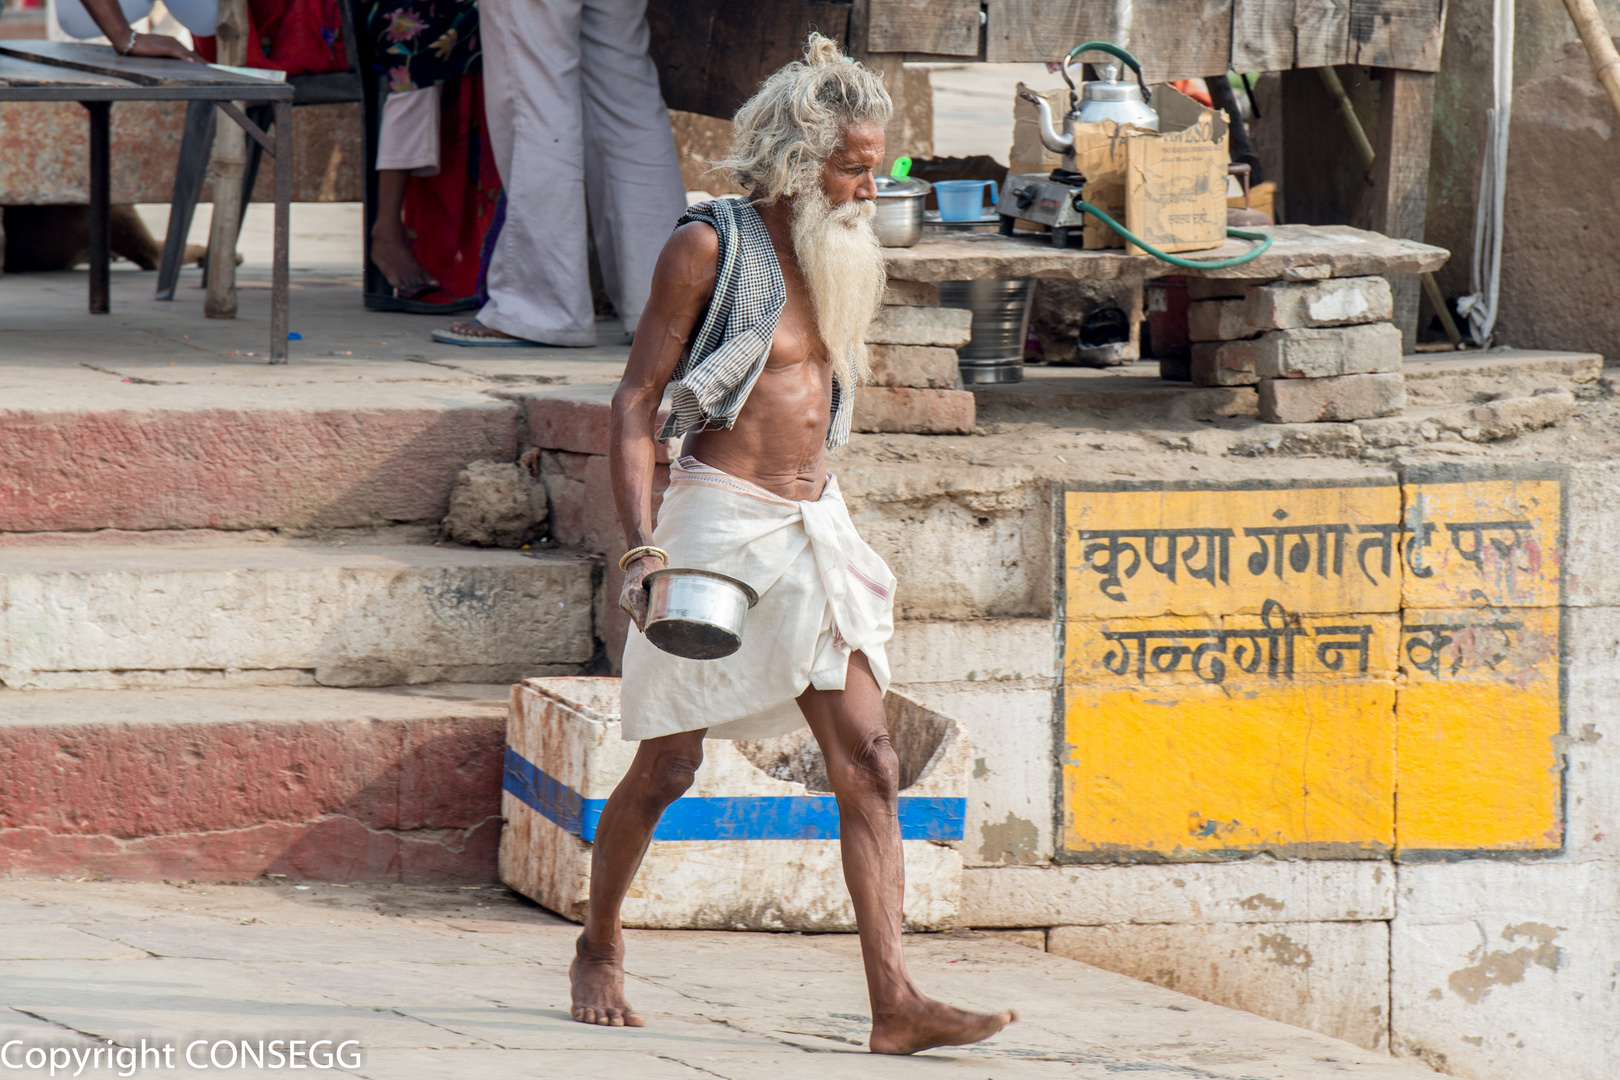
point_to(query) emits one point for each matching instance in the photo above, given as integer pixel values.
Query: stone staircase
(232, 643)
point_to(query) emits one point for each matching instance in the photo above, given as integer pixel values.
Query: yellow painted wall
(1321, 672)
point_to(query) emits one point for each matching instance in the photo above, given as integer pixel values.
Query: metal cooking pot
(696, 614)
(900, 210)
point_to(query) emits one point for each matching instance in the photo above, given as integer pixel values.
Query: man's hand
(163, 45)
(633, 597)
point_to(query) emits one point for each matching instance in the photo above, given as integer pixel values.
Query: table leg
(278, 273)
(100, 223)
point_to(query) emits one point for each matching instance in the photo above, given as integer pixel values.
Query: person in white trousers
(576, 120)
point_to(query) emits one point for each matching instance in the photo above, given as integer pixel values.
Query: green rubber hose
(1176, 260)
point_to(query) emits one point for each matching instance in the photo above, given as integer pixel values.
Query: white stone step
(110, 616)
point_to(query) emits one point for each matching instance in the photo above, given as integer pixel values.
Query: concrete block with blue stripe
(752, 846)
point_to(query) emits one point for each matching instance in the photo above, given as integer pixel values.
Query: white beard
(842, 262)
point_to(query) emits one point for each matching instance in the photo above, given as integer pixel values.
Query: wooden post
(911, 129)
(1599, 46)
(100, 218)
(225, 168)
(1401, 177)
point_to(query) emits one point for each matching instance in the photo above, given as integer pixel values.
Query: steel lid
(896, 187)
(1109, 88)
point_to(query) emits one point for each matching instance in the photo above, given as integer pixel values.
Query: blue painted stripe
(739, 817)
(543, 793)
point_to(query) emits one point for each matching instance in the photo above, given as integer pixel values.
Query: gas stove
(1052, 200)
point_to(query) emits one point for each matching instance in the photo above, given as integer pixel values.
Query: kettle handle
(1112, 50)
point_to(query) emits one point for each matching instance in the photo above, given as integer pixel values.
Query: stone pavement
(439, 984)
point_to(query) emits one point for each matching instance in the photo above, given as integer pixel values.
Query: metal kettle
(1101, 99)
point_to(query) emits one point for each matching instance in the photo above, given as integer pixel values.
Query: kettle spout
(1058, 144)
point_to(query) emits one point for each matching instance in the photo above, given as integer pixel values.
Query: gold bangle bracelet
(640, 553)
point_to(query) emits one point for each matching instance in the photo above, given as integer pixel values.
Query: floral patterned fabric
(417, 43)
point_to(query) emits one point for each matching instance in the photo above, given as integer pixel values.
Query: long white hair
(783, 134)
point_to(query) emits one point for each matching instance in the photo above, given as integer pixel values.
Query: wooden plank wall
(936, 27)
(713, 54)
(1187, 38)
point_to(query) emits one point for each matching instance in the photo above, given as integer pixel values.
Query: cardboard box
(1175, 194)
(1029, 154)
(1102, 157)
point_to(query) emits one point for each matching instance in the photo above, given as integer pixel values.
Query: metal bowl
(900, 210)
(696, 614)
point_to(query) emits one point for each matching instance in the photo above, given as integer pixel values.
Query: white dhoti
(823, 594)
(408, 137)
(575, 119)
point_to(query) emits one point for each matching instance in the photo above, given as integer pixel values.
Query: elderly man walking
(755, 325)
(577, 123)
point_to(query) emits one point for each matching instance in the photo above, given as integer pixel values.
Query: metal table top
(68, 71)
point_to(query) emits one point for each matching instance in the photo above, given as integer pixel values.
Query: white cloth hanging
(1481, 306)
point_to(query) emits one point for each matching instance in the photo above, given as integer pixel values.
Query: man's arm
(682, 285)
(110, 18)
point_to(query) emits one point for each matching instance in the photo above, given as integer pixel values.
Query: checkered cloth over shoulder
(714, 378)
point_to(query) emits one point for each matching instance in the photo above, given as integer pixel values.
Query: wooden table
(95, 76)
(1297, 253)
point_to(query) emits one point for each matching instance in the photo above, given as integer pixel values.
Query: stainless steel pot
(900, 210)
(1000, 306)
(696, 614)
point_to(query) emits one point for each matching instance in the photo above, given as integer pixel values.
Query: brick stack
(913, 343)
(1315, 350)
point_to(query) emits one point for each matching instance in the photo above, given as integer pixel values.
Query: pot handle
(1112, 50)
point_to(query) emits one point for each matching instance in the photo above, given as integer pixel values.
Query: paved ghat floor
(439, 984)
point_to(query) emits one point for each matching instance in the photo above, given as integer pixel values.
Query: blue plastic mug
(963, 200)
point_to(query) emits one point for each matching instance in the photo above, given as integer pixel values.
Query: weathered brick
(1341, 350)
(1335, 302)
(911, 293)
(1343, 397)
(260, 465)
(575, 419)
(1224, 363)
(1209, 288)
(1218, 320)
(104, 616)
(898, 325)
(193, 784)
(913, 365)
(920, 412)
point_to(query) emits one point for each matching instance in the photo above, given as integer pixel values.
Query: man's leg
(539, 273)
(661, 773)
(865, 774)
(632, 171)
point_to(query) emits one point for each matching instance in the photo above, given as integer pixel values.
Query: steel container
(1000, 307)
(900, 210)
(696, 614)
(934, 225)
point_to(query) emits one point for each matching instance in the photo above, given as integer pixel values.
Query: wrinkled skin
(778, 443)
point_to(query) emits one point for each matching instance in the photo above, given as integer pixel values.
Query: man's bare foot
(391, 253)
(597, 979)
(925, 1023)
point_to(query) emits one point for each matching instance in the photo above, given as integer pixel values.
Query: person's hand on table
(162, 45)
(109, 17)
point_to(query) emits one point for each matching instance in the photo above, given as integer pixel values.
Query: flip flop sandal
(478, 341)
